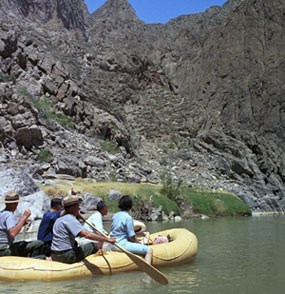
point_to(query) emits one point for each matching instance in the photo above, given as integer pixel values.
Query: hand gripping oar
(153, 272)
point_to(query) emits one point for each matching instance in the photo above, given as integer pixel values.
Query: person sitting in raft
(122, 229)
(47, 222)
(10, 228)
(66, 228)
(141, 234)
(96, 219)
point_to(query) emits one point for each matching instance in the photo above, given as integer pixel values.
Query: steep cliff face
(201, 96)
(71, 14)
(230, 71)
(245, 61)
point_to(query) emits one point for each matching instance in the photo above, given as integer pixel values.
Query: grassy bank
(216, 203)
(201, 202)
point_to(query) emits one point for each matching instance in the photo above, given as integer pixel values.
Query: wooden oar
(153, 272)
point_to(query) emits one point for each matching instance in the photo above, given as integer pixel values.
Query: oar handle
(92, 226)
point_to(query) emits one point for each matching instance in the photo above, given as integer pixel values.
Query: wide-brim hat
(11, 197)
(139, 227)
(70, 200)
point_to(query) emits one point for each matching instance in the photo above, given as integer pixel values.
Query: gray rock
(89, 202)
(19, 182)
(37, 202)
(114, 195)
(94, 161)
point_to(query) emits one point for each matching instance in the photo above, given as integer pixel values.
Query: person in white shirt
(96, 219)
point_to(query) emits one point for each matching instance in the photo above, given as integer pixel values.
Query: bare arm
(13, 232)
(95, 237)
(141, 234)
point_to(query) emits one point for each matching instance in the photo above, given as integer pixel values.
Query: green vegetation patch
(46, 107)
(202, 202)
(216, 203)
(109, 146)
(44, 156)
(47, 110)
(167, 204)
(4, 77)
(140, 193)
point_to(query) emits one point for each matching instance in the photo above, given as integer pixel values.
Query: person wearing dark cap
(47, 222)
(10, 228)
(96, 219)
(66, 228)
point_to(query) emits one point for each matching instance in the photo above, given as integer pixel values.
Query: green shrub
(46, 108)
(44, 156)
(109, 146)
(24, 91)
(171, 187)
(4, 77)
(167, 204)
(64, 120)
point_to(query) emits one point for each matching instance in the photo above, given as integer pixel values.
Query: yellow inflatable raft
(182, 249)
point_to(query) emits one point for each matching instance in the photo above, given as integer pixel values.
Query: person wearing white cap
(10, 228)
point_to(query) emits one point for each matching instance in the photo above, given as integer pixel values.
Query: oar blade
(149, 269)
(153, 272)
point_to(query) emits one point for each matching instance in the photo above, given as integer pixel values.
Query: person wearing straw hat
(64, 247)
(10, 228)
(140, 230)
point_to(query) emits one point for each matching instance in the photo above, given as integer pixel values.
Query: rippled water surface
(236, 255)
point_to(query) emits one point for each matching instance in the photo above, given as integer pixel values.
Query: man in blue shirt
(10, 228)
(46, 225)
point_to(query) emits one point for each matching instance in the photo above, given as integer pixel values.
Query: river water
(235, 255)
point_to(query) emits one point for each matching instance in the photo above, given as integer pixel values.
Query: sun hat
(11, 197)
(70, 200)
(139, 227)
